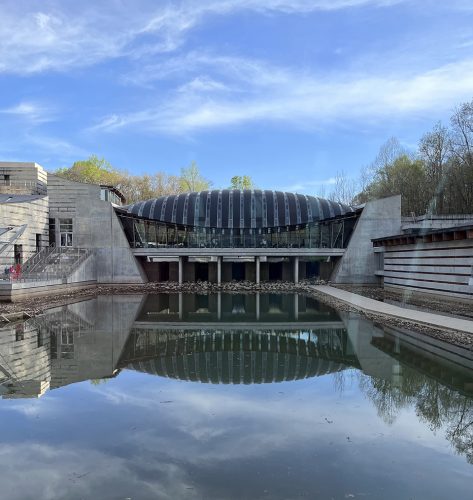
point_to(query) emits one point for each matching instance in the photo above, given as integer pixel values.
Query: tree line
(95, 170)
(437, 178)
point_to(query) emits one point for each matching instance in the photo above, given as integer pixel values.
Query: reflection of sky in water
(341, 435)
(141, 436)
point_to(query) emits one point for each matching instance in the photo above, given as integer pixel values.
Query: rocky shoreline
(33, 306)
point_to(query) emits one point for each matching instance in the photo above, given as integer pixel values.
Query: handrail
(19, 231)
(30, 264)
(60, 270)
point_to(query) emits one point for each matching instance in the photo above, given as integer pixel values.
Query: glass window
(65, 225)
(65, 229)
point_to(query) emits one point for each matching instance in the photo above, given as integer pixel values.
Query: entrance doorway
(312, 270)
(18, 254)
(201, 271)
(238, 271)
(275, 271)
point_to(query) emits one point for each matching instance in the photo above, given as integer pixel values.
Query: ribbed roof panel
(239, 209)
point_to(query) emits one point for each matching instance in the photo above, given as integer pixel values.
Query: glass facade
(334, 233)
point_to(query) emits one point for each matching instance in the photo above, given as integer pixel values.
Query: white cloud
(36, 38)
(32, 112)
(268, 93)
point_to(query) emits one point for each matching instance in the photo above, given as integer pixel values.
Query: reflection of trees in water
(344, 380)
(437, 405)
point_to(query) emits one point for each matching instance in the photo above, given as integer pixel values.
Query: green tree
(93, 170)
(96, 170)
(241, 182)
(404, 176)
(192, 180)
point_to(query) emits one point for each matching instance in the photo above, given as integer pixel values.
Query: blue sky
(287, 91)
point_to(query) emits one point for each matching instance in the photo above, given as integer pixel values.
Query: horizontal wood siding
(444, 267)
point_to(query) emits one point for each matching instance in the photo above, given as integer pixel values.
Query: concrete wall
(25, 178)
(95, 225)
(379, 218)
(34, 213)
(64, 199)
(443, 267)
(98, 227)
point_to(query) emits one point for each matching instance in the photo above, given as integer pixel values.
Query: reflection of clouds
(127, 440)
(57, 472)
(230, 423)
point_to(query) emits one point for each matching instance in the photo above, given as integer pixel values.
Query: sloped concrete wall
(98, 227)
(379, 218)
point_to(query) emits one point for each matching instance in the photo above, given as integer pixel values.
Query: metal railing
(51, 263)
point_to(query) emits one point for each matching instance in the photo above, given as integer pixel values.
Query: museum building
(56, 234)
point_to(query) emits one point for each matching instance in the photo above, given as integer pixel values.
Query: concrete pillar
(181, 305)
(219, 305)
(296, 270)
(257, 307)
(219, 272)
(257, 262)
(181, 271)
(296, 306)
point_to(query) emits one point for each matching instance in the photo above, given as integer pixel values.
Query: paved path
(377, 307)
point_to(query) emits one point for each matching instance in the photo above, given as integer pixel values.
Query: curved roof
(227, 367)
(236, 356)
(235, 208)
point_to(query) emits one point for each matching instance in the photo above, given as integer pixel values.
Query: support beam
(181, 270)
(219, 270)
(258, 275)
(296, 270)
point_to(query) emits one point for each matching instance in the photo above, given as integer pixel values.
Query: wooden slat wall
(443, 267)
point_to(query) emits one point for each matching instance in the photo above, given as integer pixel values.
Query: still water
(221, 396)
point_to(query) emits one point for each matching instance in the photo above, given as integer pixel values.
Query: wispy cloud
(252, 91)
(36, 38)
(31, 112)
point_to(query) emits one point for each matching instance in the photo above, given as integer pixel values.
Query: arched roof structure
(235, 208)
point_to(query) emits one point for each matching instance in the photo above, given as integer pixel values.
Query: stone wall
(24, 177)
(32, 212)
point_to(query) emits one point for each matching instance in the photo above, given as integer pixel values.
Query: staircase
(8, 236)
(54, 263)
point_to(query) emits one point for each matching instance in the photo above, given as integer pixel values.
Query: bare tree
(344, 189)
(435, 152)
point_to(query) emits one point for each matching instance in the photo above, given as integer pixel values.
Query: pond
(230, 396)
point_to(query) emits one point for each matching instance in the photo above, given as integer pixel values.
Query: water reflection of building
(220, 338)
(252, 338)
(234, 356)
(65, 345)
(25, 368)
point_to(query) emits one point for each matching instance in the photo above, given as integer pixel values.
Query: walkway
(376, 307)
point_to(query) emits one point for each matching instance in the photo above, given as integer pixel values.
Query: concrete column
(296, 306)
(219, 305)
(258, 274)
(181, 270)
(257, 307)
(296, 270)
(219, 270)
(181, 305)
